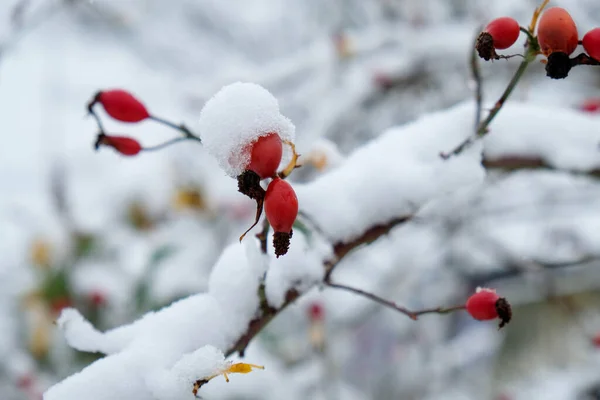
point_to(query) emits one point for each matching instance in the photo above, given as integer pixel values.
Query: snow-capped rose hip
(558, 38)
(124, 145)
(485, 305)
(591, 43)
(501, 33)
(121, 105)
(281, 208)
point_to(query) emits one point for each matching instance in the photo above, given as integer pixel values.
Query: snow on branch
(381, 186)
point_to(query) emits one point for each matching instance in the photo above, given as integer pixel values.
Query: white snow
(236, 116)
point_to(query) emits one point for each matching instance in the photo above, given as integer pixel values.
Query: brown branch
(516, 162)
(341, 249)
(390, 304)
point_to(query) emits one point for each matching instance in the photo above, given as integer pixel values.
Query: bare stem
(414, 315)
(165, 144)
(181, 128)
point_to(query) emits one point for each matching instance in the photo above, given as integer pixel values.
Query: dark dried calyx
(281, 242)
(504, 311)
(249, 184)
(558, 65)
(485, 47)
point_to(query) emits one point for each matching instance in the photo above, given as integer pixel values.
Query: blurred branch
(515, 162)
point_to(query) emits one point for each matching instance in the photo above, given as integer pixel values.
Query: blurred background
(117, 237)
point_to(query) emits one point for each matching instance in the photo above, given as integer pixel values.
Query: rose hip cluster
(124, 107)
(264, 155)
(556, 38)
(279, 200)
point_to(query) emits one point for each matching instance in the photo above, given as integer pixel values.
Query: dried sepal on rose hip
(120, 105)
(591, 43)
(499, 34)
(124, 145)
(281, 208)
(558, 38)
(486, 305)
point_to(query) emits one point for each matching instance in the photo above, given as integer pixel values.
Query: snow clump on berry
(237, 115)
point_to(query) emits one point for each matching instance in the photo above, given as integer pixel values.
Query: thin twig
(262, 236)
(414, 315)
(482, 128)
(181, 128)
(165, 144)
(476, 73)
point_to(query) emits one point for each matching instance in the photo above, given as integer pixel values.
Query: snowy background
(376, 90)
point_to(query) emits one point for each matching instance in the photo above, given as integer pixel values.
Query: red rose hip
(122, 105)
(500, 33)
(591, 43)
(505, 32)
(558, 38)
(485, 305)
(281, 208)
(265, 155)
(557, 32)
(124, 145)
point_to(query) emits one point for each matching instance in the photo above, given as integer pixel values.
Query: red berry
(25, 381)
(591, 43)
(124, 145)
(505, 32)
(265, 155)
(316, 312)
(485, 304)
(97, 298)
(122, 106)
(557, 32)
(591, 105)
(596, 340)
(482, 305)
(281, 205)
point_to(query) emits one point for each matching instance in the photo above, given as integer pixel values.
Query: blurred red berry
(25, 381)
(557, 32)
(97, 298)
(265, 155)
(57, 304)
(122, 106)
(596, 340)
(281, 205)
(591, 43)
(124, 145)
(591, 105)
(485, 305)
(505, 32)
(316, 312)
